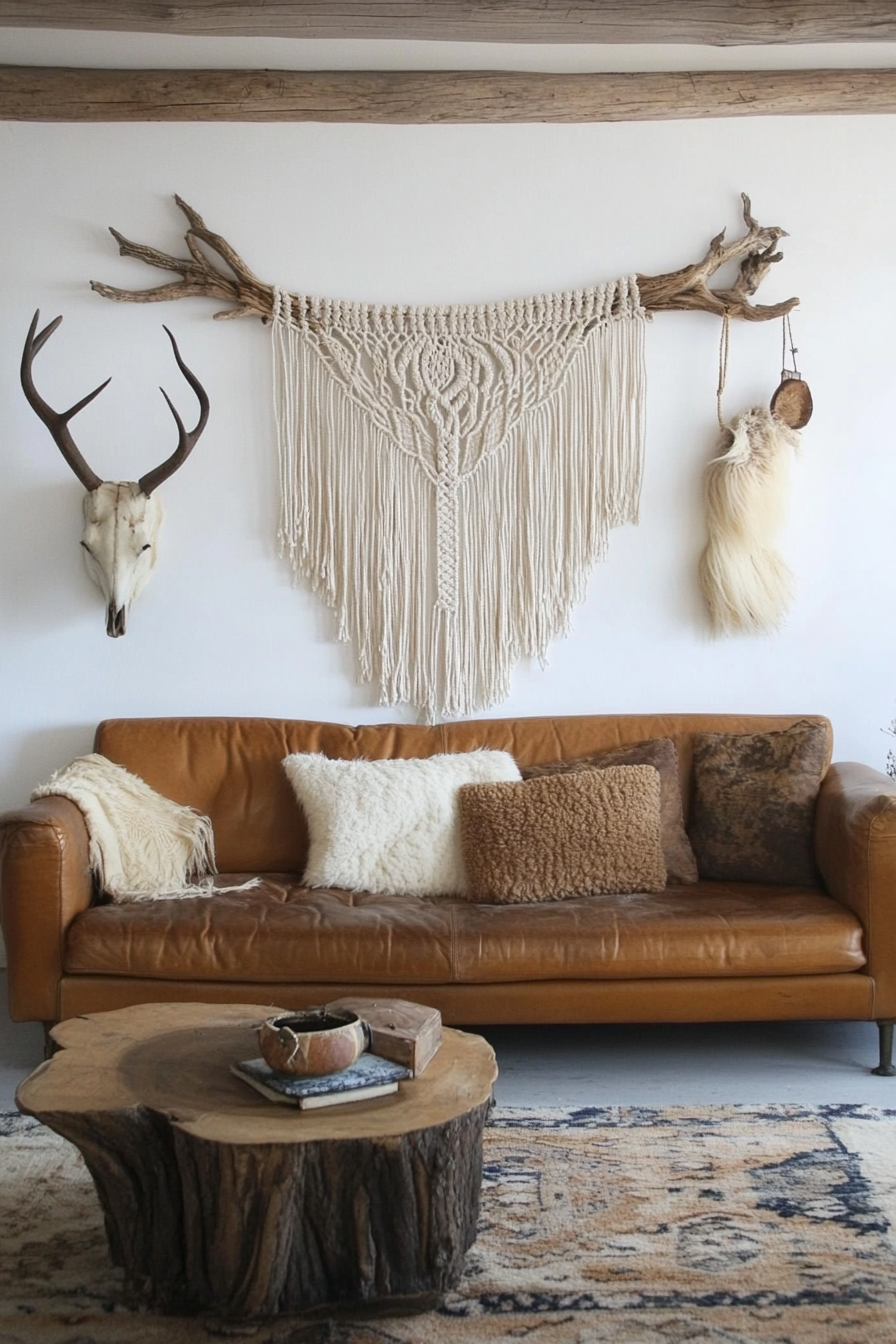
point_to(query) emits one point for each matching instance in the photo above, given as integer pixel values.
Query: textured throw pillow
(660, 752)
(389, 825)
(573, 834)
(754, 803)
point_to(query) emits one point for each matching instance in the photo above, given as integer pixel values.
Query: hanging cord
(723, 367)
(787, 338)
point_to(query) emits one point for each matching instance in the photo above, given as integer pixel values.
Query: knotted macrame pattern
(450, 474)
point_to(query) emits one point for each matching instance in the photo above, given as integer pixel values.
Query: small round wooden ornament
(791, 400)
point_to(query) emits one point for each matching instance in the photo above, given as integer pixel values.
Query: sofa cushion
(754, 803)
(284, 933)
(563, 835)
(230, 768)
(389, 825)
(660, 752)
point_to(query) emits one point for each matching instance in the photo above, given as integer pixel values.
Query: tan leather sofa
(704, 952)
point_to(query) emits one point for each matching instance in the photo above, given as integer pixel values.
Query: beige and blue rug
(621, 1225)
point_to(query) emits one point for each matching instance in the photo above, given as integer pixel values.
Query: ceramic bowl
(312, 1043)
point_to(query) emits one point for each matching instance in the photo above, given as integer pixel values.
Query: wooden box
(408, 1033)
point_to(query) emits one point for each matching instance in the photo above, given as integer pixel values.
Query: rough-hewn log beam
(709, 22)
(56, 94)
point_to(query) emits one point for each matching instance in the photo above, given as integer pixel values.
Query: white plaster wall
(426, 214)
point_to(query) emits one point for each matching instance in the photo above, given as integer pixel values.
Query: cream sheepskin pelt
(747, 585)
(390, 826)
(141, 846)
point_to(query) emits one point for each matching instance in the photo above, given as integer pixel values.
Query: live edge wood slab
(217, 1200)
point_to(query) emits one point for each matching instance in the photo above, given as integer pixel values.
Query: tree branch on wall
(686, 289)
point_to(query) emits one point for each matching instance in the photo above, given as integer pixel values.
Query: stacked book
(368, 1077)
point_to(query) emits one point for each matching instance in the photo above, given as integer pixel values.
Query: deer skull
(121, 518)
(121, 526)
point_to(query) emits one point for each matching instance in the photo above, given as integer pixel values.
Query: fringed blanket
(450, 474)
(142, 846)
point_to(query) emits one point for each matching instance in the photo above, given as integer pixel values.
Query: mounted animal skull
(121, 518)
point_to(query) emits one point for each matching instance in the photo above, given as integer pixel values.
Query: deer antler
(56, 422)
(185, 443)
(687, 288)
(684, 289)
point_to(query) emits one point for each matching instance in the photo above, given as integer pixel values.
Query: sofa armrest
(855, 848)
(45, 881)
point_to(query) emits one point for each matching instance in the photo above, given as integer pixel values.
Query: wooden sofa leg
(885, 1068)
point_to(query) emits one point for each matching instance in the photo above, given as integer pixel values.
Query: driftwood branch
(688, 289)
(685, 289)
(200, 278)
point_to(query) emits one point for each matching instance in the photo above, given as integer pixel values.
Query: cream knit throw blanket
(449, 475)
(142, 846)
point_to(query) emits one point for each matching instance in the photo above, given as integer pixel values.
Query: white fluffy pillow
(390, 825)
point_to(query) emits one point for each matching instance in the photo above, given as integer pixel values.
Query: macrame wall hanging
(450, 474)
(746, 583)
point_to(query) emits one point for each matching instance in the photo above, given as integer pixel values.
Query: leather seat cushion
(282, 932)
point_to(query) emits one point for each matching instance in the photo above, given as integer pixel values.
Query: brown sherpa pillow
(754, 803)
(573, 834)
(660, 752)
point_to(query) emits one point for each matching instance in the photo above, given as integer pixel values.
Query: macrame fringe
(449, 476)
(746, 583)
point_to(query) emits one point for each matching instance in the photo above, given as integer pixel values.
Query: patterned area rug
(718, 1225)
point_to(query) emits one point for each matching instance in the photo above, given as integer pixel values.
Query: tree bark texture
(708, 22)
(35, 93)
(217, 1200)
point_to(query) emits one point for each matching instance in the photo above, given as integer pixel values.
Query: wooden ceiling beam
(707, 22)
(57, 94)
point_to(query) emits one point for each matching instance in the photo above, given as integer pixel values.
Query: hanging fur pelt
(747, 585)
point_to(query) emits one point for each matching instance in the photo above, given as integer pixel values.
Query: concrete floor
(806, 1062)
(21, 1050)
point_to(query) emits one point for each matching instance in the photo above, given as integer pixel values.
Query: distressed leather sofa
(709, 951)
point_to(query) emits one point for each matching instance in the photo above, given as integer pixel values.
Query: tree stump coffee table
(218, 1200)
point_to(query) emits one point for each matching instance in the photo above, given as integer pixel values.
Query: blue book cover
(369, 1076)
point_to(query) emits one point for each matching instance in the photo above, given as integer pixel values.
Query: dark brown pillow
(754, 803)
(574, 834)
(659, 752)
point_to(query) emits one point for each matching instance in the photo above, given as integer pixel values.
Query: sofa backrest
(231, 769)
